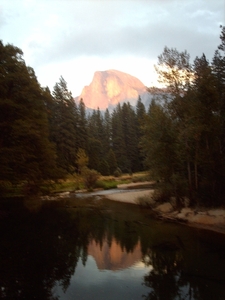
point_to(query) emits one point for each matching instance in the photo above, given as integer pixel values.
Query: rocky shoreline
(211, 219)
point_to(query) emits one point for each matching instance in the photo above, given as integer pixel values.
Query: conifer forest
(179, 138)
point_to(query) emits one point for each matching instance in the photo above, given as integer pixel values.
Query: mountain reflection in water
(105, 250)
(112, 256)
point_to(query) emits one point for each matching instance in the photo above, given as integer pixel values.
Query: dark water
(88, 249)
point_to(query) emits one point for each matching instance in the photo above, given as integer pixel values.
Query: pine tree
(140, 119)
(207, 122)
(82, 131)
(169, 148)
(107, 127)
(111, 160)
(64, 126)
(96, 139)
(25, 151)
(158, 143)
(118, 140)
(130, 131)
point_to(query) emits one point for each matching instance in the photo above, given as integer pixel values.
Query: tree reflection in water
(163, 279)
(40, 251)
(179, 274)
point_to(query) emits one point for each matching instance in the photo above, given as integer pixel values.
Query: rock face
(108, 88)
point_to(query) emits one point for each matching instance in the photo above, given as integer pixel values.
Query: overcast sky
(75, 38)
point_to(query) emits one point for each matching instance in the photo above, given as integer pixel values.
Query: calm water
(88, 249)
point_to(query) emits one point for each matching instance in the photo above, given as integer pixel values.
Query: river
(88, 248)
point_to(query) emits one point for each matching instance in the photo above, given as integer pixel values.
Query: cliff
(108, 88)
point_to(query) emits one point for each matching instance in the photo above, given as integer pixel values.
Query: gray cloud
(55, 32)
(107, 32)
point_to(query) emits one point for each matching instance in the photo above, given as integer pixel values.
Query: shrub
(90, 178)
(146, 201)
(118, 172)
(5, 186)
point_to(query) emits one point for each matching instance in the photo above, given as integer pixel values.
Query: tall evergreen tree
(189, 127)
(118, 139)
(82, 131)
(111, 160)
(158, 143)
(207, 155)
(169, 149)
(218, 69)
(107, 125)
(96, 140)
(25, 151)
(64, 126)
(130, 131)
(140, 119)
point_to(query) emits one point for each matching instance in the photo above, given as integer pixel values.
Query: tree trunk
(196, 167)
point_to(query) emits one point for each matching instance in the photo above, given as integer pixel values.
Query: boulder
(164, 208)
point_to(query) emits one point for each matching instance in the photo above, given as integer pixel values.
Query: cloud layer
(57, 32)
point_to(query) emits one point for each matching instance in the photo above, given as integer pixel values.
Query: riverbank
(211, 219)
(141, 193)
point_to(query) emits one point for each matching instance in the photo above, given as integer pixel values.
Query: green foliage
(158, 143)
(82, 128)
(63, 126)
(118, 172)
(81, 159)
(26, 153)
(111, 160)
(94, 153)
(125, 139)
(107, 184)
(90, 178)
(103, 168)
(183, 137)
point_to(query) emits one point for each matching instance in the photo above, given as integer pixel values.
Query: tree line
(184, 131)
(45, 135)
(180, 138)
(110, 141)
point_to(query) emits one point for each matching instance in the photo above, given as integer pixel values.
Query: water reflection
(112, 256)
(105, 251)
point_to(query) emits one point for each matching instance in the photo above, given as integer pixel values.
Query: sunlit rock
(108, 88)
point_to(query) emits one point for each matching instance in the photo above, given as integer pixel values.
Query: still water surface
(99, 249)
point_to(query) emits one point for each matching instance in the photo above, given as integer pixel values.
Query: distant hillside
(108, 88)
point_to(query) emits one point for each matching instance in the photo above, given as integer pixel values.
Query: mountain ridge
(110, 87)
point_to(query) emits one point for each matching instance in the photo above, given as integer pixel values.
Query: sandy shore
(129, 194)
(212, 219)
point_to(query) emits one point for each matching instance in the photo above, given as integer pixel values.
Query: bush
(174, 192)
(5, 186)
(146, 201)
(90, 178)
(118, 172)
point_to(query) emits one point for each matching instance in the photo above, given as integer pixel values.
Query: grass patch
(141, 177)
(73, 183)
(106, 185)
